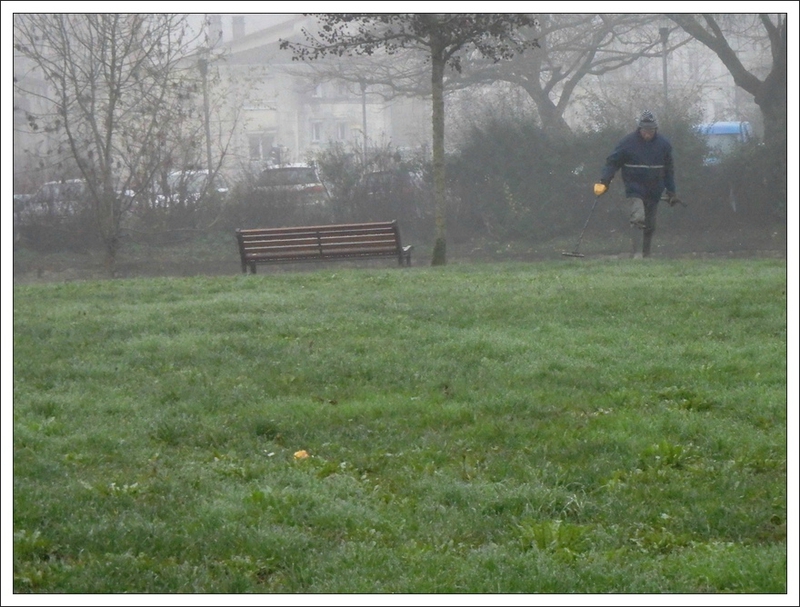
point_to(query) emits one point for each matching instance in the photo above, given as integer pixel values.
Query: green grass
(588, 427)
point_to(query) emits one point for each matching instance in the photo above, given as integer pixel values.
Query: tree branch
(716, 41)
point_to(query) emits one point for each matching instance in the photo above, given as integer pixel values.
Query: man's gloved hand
(600, 189)
(672, 200)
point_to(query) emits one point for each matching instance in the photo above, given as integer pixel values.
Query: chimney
(238, 27)
(214, 29)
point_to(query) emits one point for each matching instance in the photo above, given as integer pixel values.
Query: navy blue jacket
(646, 166)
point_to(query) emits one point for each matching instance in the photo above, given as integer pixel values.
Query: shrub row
(508, 181)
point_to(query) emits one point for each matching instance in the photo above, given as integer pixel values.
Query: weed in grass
(665, 454)
(658, 539)
(172, 432)
(685, 398)
(266, 428)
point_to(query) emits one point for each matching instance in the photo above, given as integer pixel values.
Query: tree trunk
(551, 116)
(771, 100)
(439, 198)
(109, 228)
(112, 246)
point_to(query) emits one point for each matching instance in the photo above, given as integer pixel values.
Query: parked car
(20, 208)
(59, 197)
(188, 187)
(297, 183)
(722, 138)
(395, 192)
(54, 200)
(399, 183)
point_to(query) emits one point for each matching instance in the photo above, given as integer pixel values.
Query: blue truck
(722, 138)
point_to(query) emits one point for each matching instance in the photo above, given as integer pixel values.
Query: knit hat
(647, 120)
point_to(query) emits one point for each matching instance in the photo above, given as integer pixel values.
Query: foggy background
(525, 140)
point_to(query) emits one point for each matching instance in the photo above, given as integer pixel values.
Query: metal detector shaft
(575, 253)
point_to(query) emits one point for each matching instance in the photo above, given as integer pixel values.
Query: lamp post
(203, 65)
(664, 33)
(363, 84)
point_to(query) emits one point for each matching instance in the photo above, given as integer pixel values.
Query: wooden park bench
(321, 243)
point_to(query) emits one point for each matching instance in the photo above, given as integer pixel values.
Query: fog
(521, 160)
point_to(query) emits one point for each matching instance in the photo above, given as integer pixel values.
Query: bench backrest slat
(328, 229)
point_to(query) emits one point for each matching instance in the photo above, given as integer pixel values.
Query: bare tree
(118, 86)
(727, 35)
(572, 47)
(444, 40)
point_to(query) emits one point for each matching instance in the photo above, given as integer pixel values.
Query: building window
(316, 131)
(260, 145)
(341, 131)
(254, 144)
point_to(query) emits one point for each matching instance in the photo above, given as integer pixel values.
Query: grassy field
(559, 427)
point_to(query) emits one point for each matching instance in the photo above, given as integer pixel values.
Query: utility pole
(664, 32)
(364, 116)
(203, 64)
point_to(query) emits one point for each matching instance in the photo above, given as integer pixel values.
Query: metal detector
(574, 252)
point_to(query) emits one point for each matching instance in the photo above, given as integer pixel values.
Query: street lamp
(664, 33)
(363, 84)
(202, 63)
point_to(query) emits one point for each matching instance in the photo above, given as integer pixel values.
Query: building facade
(286, 111)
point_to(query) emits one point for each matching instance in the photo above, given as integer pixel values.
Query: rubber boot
(646, 240)
(636, 242)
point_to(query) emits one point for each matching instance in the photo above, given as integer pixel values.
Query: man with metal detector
(645, 157)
